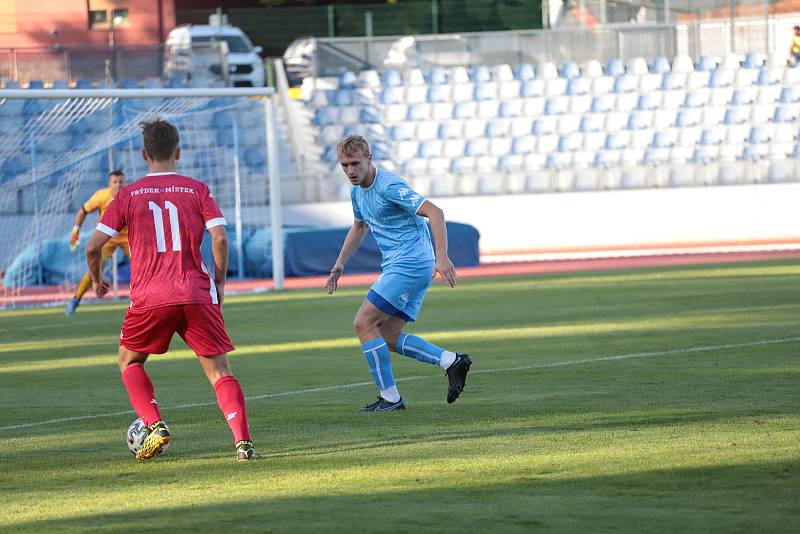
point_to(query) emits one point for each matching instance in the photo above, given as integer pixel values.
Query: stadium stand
(498, 128)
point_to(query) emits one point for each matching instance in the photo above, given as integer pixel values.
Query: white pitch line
(616, 357)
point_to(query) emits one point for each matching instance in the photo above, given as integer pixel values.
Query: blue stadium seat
(510, 108)
(523, 145)
(758, 134)
(130, 83)
(556, 105)
(696, 99)
(663, 139)
(402, 131)
(152, 82)
(639, 120)
(176, 83)
(591, 123)
(436, 76)
(570, 143)
(60, 84)
(602, 104)
(496, 129)
(785, 114)
(450, 129)
(617, 140)
(12, 167)
(720, 78)
(419, 112)
(710, 137)
(624, 83)
(222, 119)
(391, 78)
(369, 115)
(480, 73)
(485, 91)
(380, 150)
(660, 65)
(323, 117)
(428, 149)
(687, 118)
(524, 72)
(741, 97)
(11, 85)
(752, 61)
(343, 97)
(83, 84)
(578, 86)
(476, 147)
(671, 81)
(544, 126)
(790, 95)
(465, 110)
(767, 76)
(648, 102)
(36, 84)
(569, 70)
(705, 63)
(614, 67)
(254, 158)
(347, 80)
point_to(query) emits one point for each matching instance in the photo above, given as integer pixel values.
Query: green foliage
(655, 400)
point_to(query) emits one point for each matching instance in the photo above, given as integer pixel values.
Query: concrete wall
(609, 219)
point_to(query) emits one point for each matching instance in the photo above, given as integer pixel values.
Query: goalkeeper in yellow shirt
(98, 201)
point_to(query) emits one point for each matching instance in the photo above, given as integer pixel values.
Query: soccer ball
(136, 434)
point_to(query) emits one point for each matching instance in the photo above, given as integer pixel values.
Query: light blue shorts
(399, 291)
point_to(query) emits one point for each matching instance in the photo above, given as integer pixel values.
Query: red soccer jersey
(166, 215)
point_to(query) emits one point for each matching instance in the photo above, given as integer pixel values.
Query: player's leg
(203, 329)
(409, 291)
(367, 325)
(146, 332)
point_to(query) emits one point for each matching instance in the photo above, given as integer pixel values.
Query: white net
(58, 151)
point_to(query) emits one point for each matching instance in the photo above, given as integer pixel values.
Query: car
(243, 64)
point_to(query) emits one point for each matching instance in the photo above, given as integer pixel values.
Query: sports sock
(141, 393)
(231, 401)
(424, 351)
(379, 360)
(83, 287)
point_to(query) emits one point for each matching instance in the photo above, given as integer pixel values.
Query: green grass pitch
(653, 400)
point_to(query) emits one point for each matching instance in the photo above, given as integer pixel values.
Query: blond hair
(352, 143)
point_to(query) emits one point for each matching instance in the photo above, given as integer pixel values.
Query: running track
(625, 260)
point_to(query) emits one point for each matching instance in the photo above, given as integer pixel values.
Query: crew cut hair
(160, 138)
(352, 143)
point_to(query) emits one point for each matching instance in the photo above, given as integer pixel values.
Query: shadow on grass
(738, 498)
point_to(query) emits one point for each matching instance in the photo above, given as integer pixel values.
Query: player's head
(797, 30)
(355, 158)
(161, 141)
(116, 181)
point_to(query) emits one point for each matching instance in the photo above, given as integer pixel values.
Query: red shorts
(201, 326)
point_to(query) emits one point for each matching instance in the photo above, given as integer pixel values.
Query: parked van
(243, 64)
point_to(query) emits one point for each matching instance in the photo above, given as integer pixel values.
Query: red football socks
(231, 401)
(141, 393)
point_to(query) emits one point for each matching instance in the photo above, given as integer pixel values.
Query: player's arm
(80, 217)
(219, 250)
(94, 258)
(355, 236)
(444, 266)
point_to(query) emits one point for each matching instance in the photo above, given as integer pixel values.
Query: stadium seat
(682, 64)
(769, 75)
(521, 126)
(459, 75)
(711, 137)
(508, 89)
(648, 102)
(497, 128)
(402, 131)
(781, 171)
(416, 93)
(603, 85)
(731, 61)
(405, 150)
(580, 104)
(617, 140)
(705, 63)
(429, 149)
(626, 101)
(345, 97)
(555, 87)
(592, 122)
(637, 66)
(697, 99)
(477, 147)
(510, 163)
(665, 138)
(465, 110)
(639, 120)
(130, 83)
(790, 95)
(607, 158)
(603, 103)
(532, 88)
(523, 145)
(752, 60)
(594, 141)
(768, 94)
(614, 68)
(485, 91)
(721, 78)
(60, 84)
(462, 92)
(578, 86)
(570, 142)
(625, 83)
(785, 114)
(502, 73)
(419, 112)
(36, 84)
(480, 73)
(547, 71)
(672, 81)
(761, 113)
(592, 68)
(758, 134)
(368, 78)
(533, 106)
(510, 108)
(556, 105)
(392, 95)
(347, 80)
(453, 148)
(436, 76)
(524, 72)
(745, 77)
(474, 129)
(439, 93)
(791, 76)
(660, 65)
(698, 80)
(544, 126)
(736, 115)
(687, 118)
(545, 144)
(396, 112)
(391, 78)
(413, 77)
(616, 121)
(569, 70)
(442, 110)
(11, 85)
(463, 165)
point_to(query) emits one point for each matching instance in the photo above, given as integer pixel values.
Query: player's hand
(220, 291)
(101, 287)
(446, 270)
(333, 279)
(74, 238)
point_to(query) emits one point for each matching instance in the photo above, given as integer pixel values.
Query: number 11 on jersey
(158, 222)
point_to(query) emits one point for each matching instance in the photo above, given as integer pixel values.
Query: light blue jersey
(389, 207)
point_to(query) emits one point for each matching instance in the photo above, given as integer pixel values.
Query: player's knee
(363, 325)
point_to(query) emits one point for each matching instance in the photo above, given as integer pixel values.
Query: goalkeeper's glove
(74, 238)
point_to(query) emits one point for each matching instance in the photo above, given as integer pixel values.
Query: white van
(244, 64)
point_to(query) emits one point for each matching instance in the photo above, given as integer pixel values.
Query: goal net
(60, 145)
